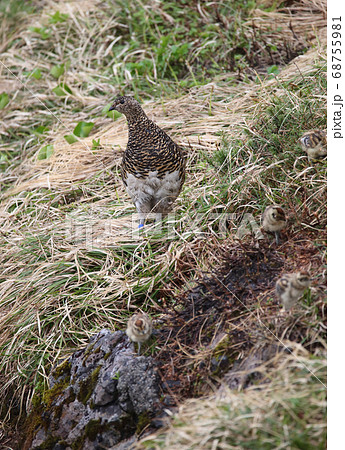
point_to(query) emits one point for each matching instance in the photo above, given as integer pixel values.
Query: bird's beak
(112, 108)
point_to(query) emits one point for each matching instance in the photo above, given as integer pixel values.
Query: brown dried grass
(258, 416)
(187, 120)
(120, 271)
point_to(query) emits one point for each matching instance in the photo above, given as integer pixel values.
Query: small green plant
(273, 70)
(62, 90)
(111, 114)
(70, 138)
(58, 17)
(57, 70)
(38, 131)
(4, 100)
(44, 32)
(96, 143)
(14, 10)
(45, 152)
(83, 129)
(36, 73)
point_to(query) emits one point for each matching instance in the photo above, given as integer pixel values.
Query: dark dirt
(233, 312)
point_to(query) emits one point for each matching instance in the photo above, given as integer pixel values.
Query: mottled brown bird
(314, 142)
(139, 328)
(273, 220)
(153, 166)
(290, 287)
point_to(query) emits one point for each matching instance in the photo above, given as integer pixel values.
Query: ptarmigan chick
(273, 220)
(314, 142)
(139, 328)
(153, 166)
(290, 287)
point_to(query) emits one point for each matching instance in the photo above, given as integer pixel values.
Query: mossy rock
(87, 386)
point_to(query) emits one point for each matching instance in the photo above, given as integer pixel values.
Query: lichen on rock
(97, 398)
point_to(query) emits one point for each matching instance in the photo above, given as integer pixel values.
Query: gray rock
(132, 395)
(98, 396)
(244, 373)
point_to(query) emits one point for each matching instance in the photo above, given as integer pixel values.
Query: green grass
(158, 52)
(272, 142)
(58, 290)
(13, 11)
(63, 291)
(183, 48)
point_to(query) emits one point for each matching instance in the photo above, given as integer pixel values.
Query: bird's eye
(122, 100)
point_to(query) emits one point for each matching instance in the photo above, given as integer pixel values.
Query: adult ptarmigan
(153, 166)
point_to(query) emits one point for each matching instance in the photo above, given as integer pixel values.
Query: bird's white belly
(287, 300)
(272, 227)
(317, 152)
(150, 191)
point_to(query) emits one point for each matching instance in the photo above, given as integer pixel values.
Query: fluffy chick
(273, 220)
(153, 166)
(314, 142)
(290, 287)
(139, 329)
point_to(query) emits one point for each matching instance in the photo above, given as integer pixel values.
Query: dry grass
(288, 411)
(71, 263)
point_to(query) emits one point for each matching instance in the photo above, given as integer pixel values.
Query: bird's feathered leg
(277, 237)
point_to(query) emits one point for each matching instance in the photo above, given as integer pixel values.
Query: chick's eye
(122, 100)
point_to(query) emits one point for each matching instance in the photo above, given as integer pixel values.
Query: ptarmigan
(290, 288)
(153, 166)
(139, 328)
(314, 142)
(273, 220)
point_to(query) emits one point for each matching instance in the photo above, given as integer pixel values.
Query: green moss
(87, 386)
(51, 394)
(88, 351)
(49, 443)
(91, 431)
(93, 428)
(33, 422)
(62, 369)
(44, 401)
(37, 419)
(143, 421)
(106, 356)
(78, 444)
(57, 410)
(36, 400)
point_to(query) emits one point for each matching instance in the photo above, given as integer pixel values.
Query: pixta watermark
(92, 231)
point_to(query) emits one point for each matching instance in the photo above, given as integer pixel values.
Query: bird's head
(304, 278)
(283, 282)
(140, 324)
(126, 105)
(278, 214)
